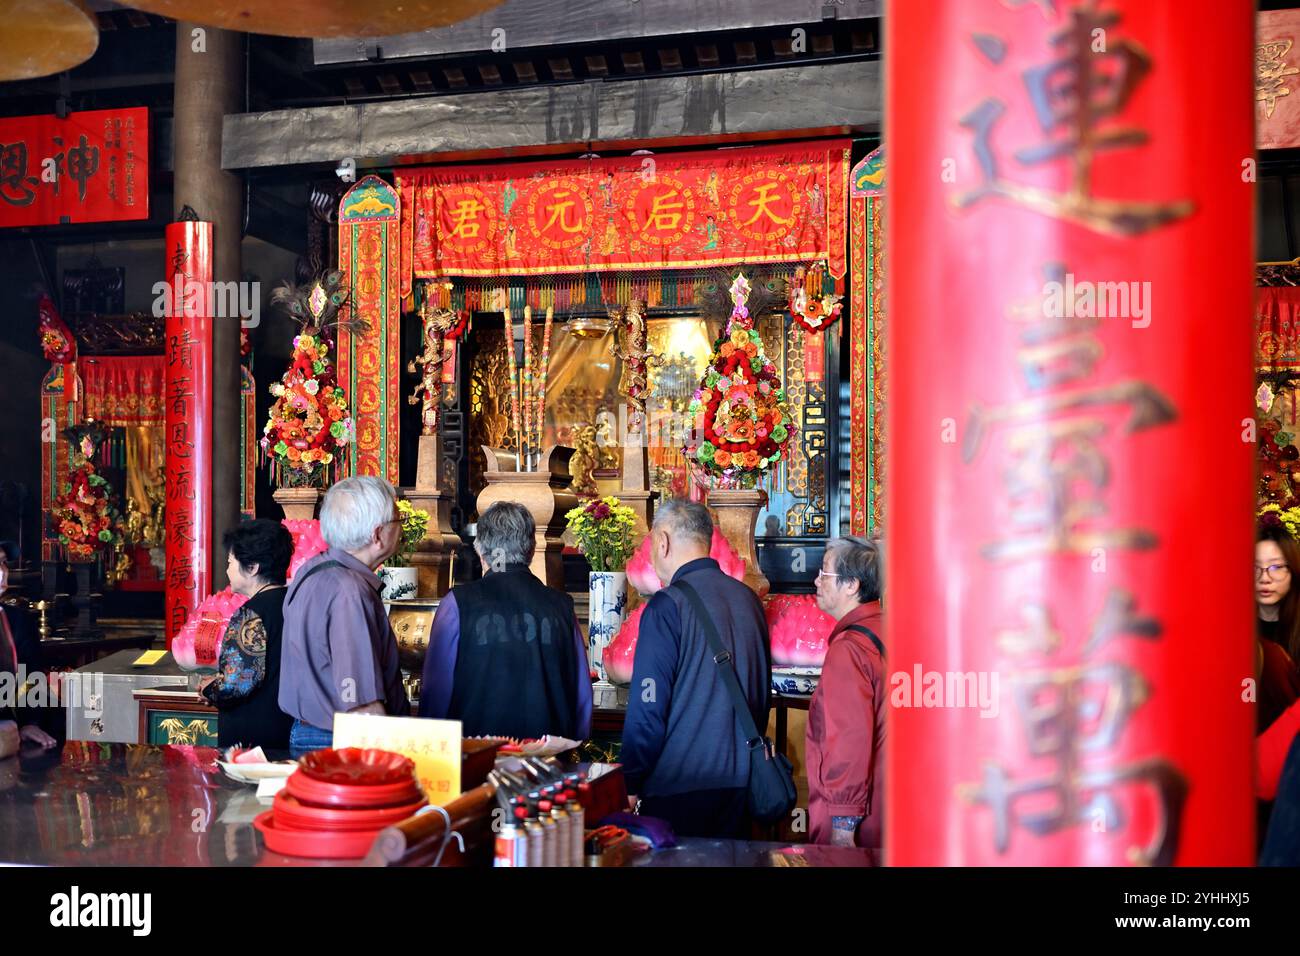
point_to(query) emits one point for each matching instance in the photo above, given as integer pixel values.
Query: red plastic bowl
(316, 844)
(297, 814)
(341, 795)
(355, 767)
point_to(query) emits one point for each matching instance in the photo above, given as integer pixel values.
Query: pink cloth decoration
(199, 641)
(641, 570)
(621, 653)
(799, 630)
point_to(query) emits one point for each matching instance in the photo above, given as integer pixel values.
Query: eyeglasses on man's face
(826, 574)
(1271, 571)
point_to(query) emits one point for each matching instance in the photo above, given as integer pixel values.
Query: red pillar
(188, 421)
(1070, 495)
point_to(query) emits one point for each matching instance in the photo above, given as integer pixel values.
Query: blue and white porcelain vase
(606, 612)
(400, 584)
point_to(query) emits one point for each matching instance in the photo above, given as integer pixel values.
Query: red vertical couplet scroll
(188, 360)
(1070, 505)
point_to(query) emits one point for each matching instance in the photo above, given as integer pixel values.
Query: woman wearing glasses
(1277, 605)
(846, 717)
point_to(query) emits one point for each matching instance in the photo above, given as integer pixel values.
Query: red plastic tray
(295, 813)
(338, 795)
(316, 844)
(355, 767)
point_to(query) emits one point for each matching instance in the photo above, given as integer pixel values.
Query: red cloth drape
(123, 390)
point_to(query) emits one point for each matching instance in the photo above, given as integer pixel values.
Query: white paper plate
(256, 772)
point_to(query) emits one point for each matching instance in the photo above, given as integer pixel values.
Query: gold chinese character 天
(1072, 96)
(762, 202)
(1271, 72)
(465, 217)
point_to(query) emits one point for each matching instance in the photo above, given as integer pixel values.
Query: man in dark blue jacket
(684, 752)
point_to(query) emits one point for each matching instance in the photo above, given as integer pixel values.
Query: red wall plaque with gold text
(90, 167)
(187, 357)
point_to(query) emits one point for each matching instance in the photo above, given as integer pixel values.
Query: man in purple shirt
(506, 656)
(339, 652)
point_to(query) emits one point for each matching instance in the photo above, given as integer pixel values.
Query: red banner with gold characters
(1071, 649)
(188, 412)
(90, 167)
(1277, 328)
(369, 361)
(1277, 79)
(663, 211)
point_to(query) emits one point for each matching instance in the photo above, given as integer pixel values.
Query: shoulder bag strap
(331, 563)
(863, 629)
(722, 657)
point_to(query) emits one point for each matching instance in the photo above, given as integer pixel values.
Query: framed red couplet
(1070, 238)
(188, 361)
(90, 167)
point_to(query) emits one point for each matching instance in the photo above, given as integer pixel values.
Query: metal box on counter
(98, 697)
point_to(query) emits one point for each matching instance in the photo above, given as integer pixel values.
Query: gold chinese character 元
(560, 212)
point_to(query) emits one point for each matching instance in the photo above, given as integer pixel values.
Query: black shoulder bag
(772, 793)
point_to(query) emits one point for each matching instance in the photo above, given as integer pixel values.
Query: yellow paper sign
(148, 658)
(434, 745)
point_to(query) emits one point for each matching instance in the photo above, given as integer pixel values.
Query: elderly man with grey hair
(506, 655)
(846, 717)
(339, 653)
(684, 751)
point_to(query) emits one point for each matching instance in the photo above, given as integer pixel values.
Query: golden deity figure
(585, 460)
(437, 323)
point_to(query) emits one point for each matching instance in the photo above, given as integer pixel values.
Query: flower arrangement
(603, 528)
(309, 425)
(85, 518)
(415, 521)
(739, 406)
(809, 307)
(1274, 515)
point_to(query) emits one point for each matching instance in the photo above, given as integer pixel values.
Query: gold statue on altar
(586, 458)
(437, 323)
(631, 349)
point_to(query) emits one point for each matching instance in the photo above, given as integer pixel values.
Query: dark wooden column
(210, 84)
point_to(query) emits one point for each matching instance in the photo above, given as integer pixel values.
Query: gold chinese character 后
(762, 201)
(1271, 72)
(560, 212)
(465, 216)
(1071, 96)
(661, 212)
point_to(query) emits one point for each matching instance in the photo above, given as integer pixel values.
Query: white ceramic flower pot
(606, 612)
(400, 584)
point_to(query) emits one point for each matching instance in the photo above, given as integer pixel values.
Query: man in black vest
(506, 656)
(683, 748)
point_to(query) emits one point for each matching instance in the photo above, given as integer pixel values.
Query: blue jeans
(304, 738)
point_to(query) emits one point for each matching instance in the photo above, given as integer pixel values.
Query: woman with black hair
(1277, 620)
(246, 688)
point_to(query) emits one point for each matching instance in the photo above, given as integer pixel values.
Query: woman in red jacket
(846, 718)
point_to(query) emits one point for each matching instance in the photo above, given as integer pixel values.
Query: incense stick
(514, 384)
(544, 371)
(528, 386)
